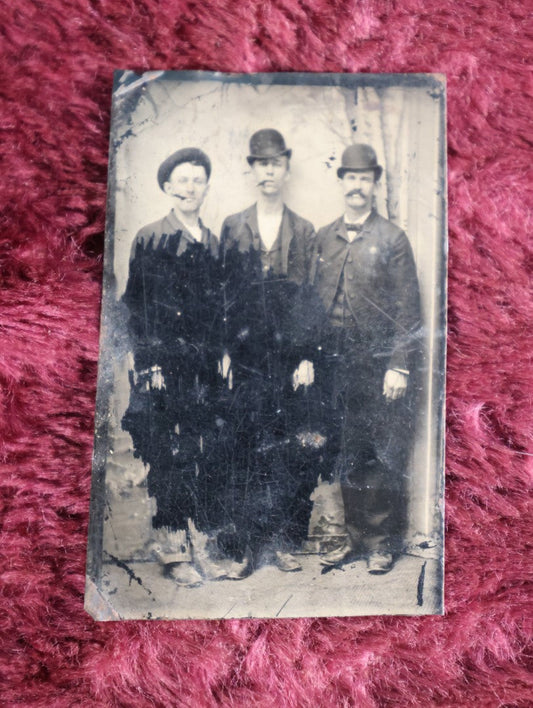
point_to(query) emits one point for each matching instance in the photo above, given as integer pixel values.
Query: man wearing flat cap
(366, 277)
(184, 177)
(272, 316)
(168, 287)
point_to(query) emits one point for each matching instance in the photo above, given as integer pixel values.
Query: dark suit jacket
(380, 283)
(297, 240)
(153, 291)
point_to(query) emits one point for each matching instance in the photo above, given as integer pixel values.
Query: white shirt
(358, 222)
(196, 232)
(269, 225)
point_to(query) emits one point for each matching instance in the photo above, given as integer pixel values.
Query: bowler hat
(359, 158)
(194, 155)
(265, 144)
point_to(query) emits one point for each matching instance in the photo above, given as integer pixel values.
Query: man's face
(358, 189)
(271, 174)
(188, 185)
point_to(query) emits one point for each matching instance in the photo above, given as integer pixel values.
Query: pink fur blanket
(57, 60)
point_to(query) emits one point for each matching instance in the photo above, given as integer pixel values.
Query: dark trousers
(376, 437)
(268, 503)
(174, 461)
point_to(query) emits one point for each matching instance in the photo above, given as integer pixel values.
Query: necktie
(354, 227)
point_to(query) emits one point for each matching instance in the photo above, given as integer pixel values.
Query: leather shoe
(238, 571)
(286, 562)
(337, 555)
(379, 562)
(183, 574)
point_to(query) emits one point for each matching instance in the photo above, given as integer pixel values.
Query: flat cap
(190, 154)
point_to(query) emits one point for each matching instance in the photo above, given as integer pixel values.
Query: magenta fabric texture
(57, 60)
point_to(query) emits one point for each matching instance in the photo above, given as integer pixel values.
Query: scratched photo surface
(269, 426)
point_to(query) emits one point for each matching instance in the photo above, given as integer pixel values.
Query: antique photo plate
(270, 409)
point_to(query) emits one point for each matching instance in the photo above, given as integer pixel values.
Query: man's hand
(146, 379)
(224, 369)
(150, 379)
(156, 378)
(394, 384)
(304, 375)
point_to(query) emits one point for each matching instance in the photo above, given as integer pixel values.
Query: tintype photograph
(269, 424)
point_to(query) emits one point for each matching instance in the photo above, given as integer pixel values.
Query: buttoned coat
(297, 240)
(380, 283)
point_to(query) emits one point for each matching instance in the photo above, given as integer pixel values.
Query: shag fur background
(57, 59)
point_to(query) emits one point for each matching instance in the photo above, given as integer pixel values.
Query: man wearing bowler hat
(274, 249)
(284, 239)
(366, 277)
(169, 400)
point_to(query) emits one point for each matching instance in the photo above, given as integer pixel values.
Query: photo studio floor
(134, 587)
(139, 590)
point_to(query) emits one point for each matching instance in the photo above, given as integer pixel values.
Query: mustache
(354, 192)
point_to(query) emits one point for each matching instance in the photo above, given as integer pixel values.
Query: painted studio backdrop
(158, 113)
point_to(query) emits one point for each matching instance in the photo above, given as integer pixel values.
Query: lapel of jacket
(334, 253)
(177, 226)
(208, 239)
(339, 228)
(251, 227)
(171, 231)
(173, 220)
(286, 233)
(369, 222)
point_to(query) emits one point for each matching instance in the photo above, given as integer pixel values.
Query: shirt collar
(178, 225)
(347, 236)
(252, 219)
(360, 220)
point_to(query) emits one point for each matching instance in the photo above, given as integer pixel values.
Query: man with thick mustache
(366, 277)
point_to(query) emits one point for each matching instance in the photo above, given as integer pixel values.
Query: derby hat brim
(377, 170)
(270, 156)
